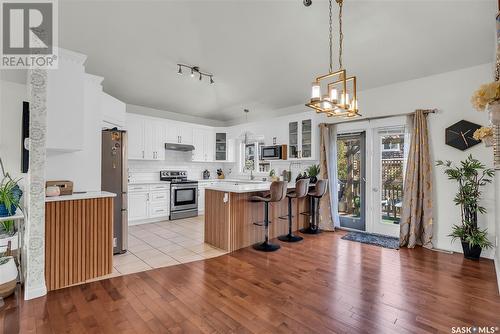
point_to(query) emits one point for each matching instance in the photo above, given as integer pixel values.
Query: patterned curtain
(328, 209)
(416, 219)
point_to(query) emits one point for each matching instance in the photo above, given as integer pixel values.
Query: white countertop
(148, 182)
(245, 187)
(86, 195)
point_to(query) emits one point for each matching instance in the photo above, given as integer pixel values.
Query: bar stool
(277, 193)
(301, 190)
(315, 195)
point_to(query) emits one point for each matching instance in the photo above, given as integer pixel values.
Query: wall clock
(459, 135)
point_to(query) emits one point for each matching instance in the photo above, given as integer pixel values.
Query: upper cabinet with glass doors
(301, 139)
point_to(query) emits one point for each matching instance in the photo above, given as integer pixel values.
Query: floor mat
(373, 239)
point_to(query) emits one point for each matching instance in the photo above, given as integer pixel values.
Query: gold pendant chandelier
(341, 98)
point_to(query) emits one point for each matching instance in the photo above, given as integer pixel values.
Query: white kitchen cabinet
(148, 202)
(136, 136)
(145, 138)
(186, 134)
(179, 133)
(201, 195)
(301, 139)
(224, 147)
(138, 205)
(204, 145)
(154, 131)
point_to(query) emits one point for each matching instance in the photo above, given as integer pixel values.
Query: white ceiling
(264, 54)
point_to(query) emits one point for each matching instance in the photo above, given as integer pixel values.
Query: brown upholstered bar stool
(277, 193)
(301, 190)
(315, 195)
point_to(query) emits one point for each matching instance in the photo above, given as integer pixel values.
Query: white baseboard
(497, 269)
(31, 293)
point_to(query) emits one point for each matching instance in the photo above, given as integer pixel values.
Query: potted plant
(313, 172)
(471, 175)
(488, 97)
(485, 134)
(10, 195)
(8, 274)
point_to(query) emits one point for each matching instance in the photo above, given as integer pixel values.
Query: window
(389, 145)
(250, 157)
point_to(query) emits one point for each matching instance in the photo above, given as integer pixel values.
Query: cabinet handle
(143, 154)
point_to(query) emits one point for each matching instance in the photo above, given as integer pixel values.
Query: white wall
(82, 167)
(12, 96)
(450, 93)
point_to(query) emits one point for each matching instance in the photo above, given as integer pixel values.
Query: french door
(351, 162)
(371, 163)
(388, 169)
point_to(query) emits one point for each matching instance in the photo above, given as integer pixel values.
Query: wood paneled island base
(78, 241)
(230, 218)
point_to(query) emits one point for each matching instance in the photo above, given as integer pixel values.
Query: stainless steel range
(183, 194)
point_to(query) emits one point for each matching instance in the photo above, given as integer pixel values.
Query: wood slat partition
(78, 241)
(229, 225)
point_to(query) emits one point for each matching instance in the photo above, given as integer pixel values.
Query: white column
(34, 238)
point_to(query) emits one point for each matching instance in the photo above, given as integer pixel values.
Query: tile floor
(164, 244)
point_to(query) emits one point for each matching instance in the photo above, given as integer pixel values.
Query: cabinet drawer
(159, 210)
(159, 196)
(138, 187)
(154, 187)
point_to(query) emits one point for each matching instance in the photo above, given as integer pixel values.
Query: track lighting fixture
(196, 70)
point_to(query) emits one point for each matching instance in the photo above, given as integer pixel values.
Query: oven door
(270, 152)
(183, 197)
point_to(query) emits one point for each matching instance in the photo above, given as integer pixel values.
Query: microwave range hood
(179, 147)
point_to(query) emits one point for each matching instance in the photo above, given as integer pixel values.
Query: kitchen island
(78, 238)
(230, 215)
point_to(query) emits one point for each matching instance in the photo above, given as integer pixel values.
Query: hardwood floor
(321, 285)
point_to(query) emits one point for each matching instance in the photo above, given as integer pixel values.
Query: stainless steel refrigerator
(114, 178)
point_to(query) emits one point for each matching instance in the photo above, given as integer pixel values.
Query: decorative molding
(35, 225)
(94, 79)
(72, 56)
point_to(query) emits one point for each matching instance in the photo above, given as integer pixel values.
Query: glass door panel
(293, 140)
(389, 168)
(306, 139)
(351, 183)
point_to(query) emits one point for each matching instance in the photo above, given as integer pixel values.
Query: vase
(494, 112)
(8, 276)
(313, 179)
(471, 253)
(4, 212)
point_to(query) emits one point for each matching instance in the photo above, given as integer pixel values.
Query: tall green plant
(7, 194)
(470, 175)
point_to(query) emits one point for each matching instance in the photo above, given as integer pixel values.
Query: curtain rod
(426, 111)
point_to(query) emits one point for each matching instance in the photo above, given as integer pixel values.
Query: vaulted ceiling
(264, 54)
